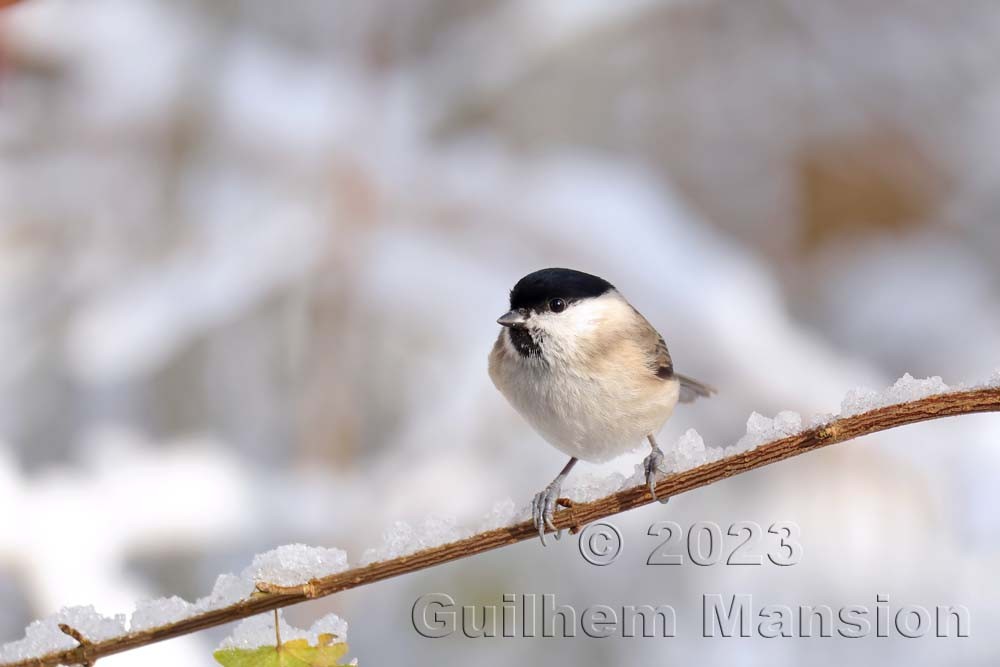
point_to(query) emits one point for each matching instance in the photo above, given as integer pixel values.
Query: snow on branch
(296, 573)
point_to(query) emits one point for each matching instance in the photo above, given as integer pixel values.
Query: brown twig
(270, 597)
(84, 643)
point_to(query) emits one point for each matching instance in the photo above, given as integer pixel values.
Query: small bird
(587, 371)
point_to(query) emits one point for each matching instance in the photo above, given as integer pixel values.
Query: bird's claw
(654, 464)
(543, 509)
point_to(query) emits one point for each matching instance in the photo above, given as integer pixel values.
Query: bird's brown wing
(659, 361)
(692, 389)
(657, 355)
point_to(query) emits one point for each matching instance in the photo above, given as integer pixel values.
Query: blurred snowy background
(251, 255)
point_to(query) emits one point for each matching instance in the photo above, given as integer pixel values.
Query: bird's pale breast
(592, 408)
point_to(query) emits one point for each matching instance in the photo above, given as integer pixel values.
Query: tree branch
(271, 597)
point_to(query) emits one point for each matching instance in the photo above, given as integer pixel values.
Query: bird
(588, 372)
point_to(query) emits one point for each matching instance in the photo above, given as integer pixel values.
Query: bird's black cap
(535, 289)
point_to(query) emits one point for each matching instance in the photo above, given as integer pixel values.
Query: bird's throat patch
(524, 342)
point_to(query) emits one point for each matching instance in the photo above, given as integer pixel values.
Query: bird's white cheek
(565, 336)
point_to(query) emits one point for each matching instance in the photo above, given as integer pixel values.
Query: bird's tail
(692, 390)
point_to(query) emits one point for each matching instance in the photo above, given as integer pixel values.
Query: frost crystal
(160, 611)
(289, 565)
(40, 637)
(788, 423)
(93, 626)
(331, 624)
(402, 539)
(592, 487)
(995, 378)
(228, 590)
(44, 636)
(906, 388)
(688, 452)
(504, 513)
(761, 429)
(258, 631)
(858, 400)
(821, 419)
(295, 564)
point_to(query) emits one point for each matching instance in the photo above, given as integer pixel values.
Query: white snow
(331, 624)
(40, 637)
(821, 419)
(504, 513)
(289, 565)
(689, 452)
(402, 539)
(160, 611)
(228, 590)
(44, 636)
(296, 564)
(588, 487)
(92, 625)
(258, 631)
(906, 388)
(761, 429)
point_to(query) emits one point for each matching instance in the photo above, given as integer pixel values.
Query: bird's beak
(513, 319)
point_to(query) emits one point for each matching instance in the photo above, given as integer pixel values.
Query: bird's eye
(557, 305)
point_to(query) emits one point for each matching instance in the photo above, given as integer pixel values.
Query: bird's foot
(543, 508)
(654, 464)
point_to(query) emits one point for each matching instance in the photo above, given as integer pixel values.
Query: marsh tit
(587, 371)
